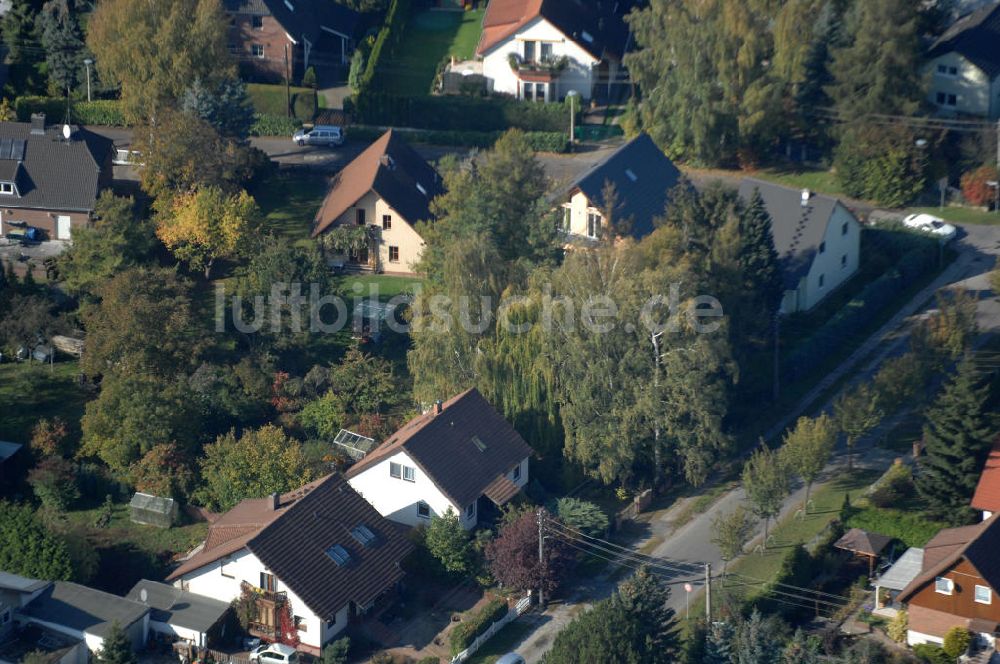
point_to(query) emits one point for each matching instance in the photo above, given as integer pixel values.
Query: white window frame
(470, 510)
(395, 470)
(255, 53)
(567, 219)
(393, 247)
(989, 594)
(7, 188)
(423, 507)
(594, 222)
(948, 584)
(516, 472)
(409, 474)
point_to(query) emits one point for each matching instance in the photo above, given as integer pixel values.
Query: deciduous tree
(257, 463)
(513, 556)
(732, 532)
(765, 480)
(449, 542)
(163, 471)
(957, 436)
(49, 438)
(807, 449)
(856, 413)
(206, 225)
(28, 321)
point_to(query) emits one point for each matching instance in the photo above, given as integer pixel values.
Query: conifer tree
(719, 644)
(758, 261)
(957, 436)
(117, 648)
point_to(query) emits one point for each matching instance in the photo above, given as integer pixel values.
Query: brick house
(315, 32)
(959, 577)
(48, 181)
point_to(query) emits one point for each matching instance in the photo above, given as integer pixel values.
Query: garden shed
(153, 510)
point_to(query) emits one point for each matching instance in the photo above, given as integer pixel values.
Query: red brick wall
(272, 37)
(40, 219)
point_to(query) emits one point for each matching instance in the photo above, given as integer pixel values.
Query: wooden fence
(522, 605)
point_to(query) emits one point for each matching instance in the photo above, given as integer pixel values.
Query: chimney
(274, 501)
(38, 124)
(805, 197)
(438, 407)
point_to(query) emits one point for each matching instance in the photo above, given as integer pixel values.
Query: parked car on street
(271, 653)
(319, 135)
(928, 223)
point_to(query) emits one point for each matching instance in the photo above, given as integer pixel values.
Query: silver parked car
(319, 135)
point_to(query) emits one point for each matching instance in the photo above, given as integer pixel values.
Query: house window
(386, 222)
(470, 511)
(822, 280)
(567, 219)
(843, 261)
(257, 22)
(593, 223)
(529, 51)
(300, 624)
(359, 216)
(943, 585)
(257, 50)
(6, 187)
(331, 622)
(843, 229)
(409, 474)
(517, 472)
(822, 247)
(395, 470)
(984, 595)
(946, 99)
(222, 567)
(393, 254)
(546, 50)
(423, 510)
(267, 581)
(947, 70)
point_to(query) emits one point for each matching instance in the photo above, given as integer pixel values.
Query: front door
(62, 227)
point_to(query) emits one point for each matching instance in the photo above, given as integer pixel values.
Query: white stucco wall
(136, 632)
(975, 93)
(401, 234)
(245, 566)
(579, 208)
(830, 263)
(579, 74)
(914, 638)
(192, 636)
(397, 499)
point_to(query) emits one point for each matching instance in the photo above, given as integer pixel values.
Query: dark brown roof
(987, 496)
(442, 445)
(294, 548)
(861, 541)
(977, 544)
(594, 25)
(394, 171)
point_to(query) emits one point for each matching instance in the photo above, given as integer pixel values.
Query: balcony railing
(550, 65)
(264, 631)
(278, 597)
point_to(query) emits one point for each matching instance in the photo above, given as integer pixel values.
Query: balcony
(544, 70)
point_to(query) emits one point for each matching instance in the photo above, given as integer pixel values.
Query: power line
(680, 566)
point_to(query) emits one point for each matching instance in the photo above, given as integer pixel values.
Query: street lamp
(88, 62)
(571, 98)
(995, 186)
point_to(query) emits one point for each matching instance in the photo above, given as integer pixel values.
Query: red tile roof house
(460, 455)
(957, 585)
(539, 50)
(987, 496)
(321, 548)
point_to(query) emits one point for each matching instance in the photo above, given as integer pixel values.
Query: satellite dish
(143, 595)
(67, 132)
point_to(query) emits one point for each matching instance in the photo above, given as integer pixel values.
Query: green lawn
(271, 99)
(430, 37)
(961, 215)
(383, 285)
(822, 181)
(29, 391)
(910, 527)
(290, 202)
(502, 643)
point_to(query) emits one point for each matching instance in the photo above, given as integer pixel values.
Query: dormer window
(8, 188)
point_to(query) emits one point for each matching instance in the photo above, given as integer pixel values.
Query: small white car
(928, 223)
(272, 653)
(329, 135)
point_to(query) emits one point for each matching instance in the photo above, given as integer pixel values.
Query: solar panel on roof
(17, 150)
(5, 145)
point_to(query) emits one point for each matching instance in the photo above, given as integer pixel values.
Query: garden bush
(931, 653)
(273, 125)
(304, 106)
(911, 528)
(956, 642)
(898, 627)
(974, 187)
(894, 488)
(458, 113)
(464, 633)
(882, 164)
(473, 139)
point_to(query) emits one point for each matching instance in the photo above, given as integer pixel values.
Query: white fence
(512, 615)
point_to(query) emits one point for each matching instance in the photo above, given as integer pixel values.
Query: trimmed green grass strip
(289, 202)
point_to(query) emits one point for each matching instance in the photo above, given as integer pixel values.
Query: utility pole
(288, 90)
(88, 62)
(541, 558)
(708, 592)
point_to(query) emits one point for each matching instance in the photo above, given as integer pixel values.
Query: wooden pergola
(863, 544)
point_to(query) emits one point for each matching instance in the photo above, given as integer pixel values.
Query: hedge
(458, 113)
(390, 33)
(273, 125)
(464, 633)
(540, 141)
(104, 112)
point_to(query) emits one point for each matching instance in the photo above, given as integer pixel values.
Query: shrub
(547, 141)
(895, 487)
(882, 164)
(464, 633)
(956, 642)
(900, 380)
(931, 653)
(582, 515)
(898, 626)
(974, 187)
(336, 652)
(54, 483)
(309, 78)
(909, 527)
(273, 125)
(304, 106)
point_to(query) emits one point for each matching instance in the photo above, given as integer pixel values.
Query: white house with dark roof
(460, 455)
(539, 50)
(964, 65)
(320, 553)
(817, 238)
(181, 615)
(640, 176)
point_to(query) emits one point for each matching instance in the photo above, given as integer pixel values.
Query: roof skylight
(339, 555)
